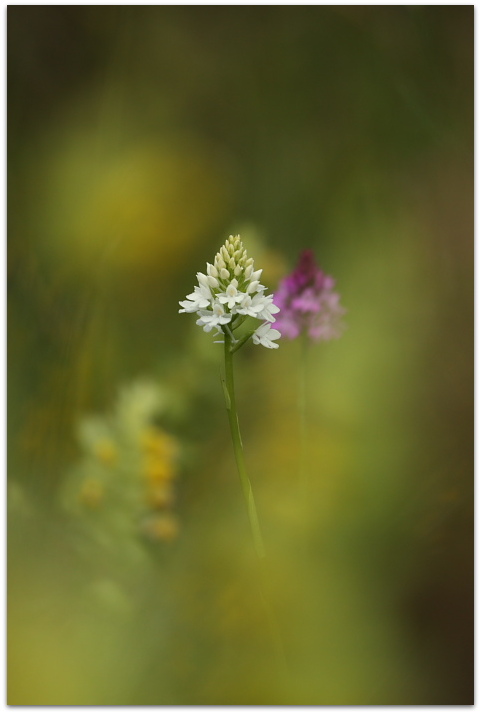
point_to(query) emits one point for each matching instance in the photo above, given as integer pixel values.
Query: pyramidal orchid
(228, 294)
(309, 308)
(308, 303)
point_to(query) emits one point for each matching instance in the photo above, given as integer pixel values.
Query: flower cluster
(124, 484)
(230, 292)
(308, 303)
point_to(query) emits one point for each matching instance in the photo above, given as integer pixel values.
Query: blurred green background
(139, 138)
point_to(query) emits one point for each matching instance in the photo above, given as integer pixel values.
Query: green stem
(303, 476)
(240, 342)
(238, 449)
(230, 400)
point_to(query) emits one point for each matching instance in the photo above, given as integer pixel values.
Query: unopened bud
(203, 280)
(211, 270)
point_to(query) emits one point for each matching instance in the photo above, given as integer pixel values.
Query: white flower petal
(264, 335)
(188, 306)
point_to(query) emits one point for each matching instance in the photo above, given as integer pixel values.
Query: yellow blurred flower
(128, 466)
(159, 467)
(157, 470)
(157, 443)
(120, 206)
(161, 527)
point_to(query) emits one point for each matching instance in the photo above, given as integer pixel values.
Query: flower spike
(231, 288)
(307, 303)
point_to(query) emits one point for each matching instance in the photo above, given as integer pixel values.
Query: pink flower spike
(307, 303)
